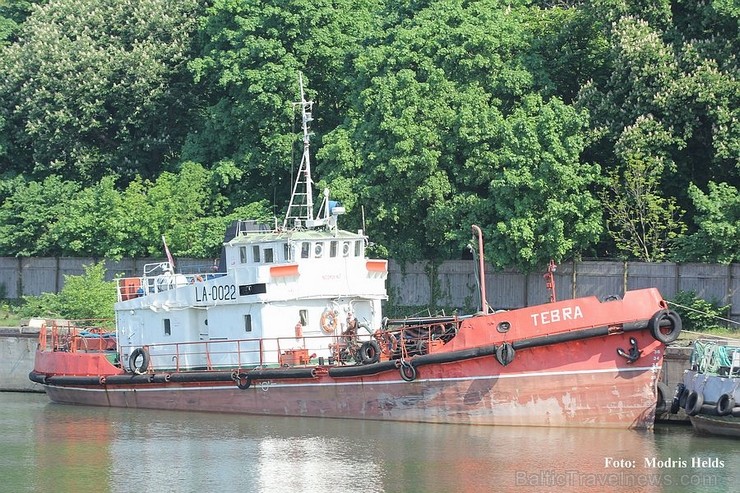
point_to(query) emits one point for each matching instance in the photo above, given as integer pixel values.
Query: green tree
(84, 297)
(447, 129)
(56, 217)
(643, 222)
(12, 14)
(674, 64)
(29, 213)
(250, 62)
(95, 88)
(717, 235)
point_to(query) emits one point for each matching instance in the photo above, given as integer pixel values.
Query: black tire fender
(673, 329)
(505, 353)
(677, 394)
(135, 355)
(661, 392)
(243, 381)
(725, 404)
(693, 403)
(370, 352)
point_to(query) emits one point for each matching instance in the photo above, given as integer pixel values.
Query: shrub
(697, 313)
(88, 296)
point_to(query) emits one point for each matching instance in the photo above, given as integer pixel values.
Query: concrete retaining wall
(16, 360)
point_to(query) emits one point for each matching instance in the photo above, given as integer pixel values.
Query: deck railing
(236, 354)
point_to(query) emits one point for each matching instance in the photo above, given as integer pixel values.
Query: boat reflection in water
(122, 450)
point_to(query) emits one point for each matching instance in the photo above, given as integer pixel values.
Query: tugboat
(292, 325)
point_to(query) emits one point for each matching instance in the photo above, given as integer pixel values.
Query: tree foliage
(717, 235)
(674, 65)
(250, 61)
(94, 88)
(561, 128)
(85, 297)
(449, 130)
(58, 218)
(643, 222)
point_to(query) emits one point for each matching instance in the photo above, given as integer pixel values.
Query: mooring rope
(688, 308)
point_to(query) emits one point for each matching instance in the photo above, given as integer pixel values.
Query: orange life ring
(329, 321)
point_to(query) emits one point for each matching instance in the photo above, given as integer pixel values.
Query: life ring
(138, 368)
(676, 403)
(725, 404)
(673, 329)
(505, 353)
(329, 321)
(661, 391)
(370, 352)
(693, 403)
(407, 370)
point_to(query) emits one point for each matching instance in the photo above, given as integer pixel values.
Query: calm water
(48, 447)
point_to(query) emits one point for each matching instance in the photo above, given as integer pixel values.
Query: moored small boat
(292, 325)
(710, 391)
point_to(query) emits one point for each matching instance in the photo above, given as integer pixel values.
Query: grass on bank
(9, 313)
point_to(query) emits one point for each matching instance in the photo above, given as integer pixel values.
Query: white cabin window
(287, 251)
(243, 254)
(318, 250)
(256, 254)
(269, 255)
(333, 249)
(303, 317)
(167, 327)
(305, 249)
(247, 323)
(358, 249)
(345, 249)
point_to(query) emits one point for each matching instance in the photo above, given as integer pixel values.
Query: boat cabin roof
(293, 235)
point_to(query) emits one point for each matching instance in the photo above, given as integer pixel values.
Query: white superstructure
(290, 290)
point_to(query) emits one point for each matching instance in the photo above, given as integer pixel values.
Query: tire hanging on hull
(665, 326)
(138, 368)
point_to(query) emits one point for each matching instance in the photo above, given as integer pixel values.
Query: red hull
(547, 386)
(573, 363)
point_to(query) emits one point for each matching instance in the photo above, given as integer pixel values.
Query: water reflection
(75, 449)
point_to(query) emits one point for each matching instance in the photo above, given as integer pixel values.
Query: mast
(300, 209)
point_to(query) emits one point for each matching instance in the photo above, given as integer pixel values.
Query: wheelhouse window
(243, 255)
(333, 249)
(303, 317)
(256, 254)
(248, 323)
(305, 249)
(345, 249)
(358, 249)
(287, 252)
(167, 327)
(318, 250)
(269, 255)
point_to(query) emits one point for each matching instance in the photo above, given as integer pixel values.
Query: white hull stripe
(274, 384)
